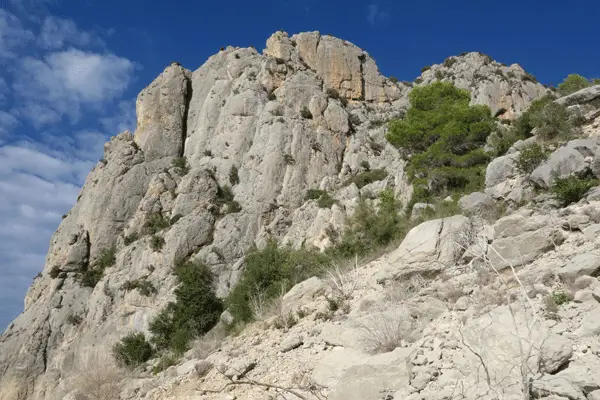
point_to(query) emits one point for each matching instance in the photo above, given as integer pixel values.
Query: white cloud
(377, 16)
(57, 32)
(64, 82)
(35, 190)
(13, 36)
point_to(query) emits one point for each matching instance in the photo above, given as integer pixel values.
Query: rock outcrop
(507, 90)
(221, 160)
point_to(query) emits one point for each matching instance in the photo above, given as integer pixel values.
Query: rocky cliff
(221, 160)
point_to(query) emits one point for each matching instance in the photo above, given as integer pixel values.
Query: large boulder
(518, 240)
(428, 248)
(566, 161)
(477, 203)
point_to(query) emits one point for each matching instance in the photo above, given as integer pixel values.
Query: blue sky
(70, 71)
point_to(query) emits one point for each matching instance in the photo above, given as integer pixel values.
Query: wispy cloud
(378, 15)
(61, 80)
(66, 81)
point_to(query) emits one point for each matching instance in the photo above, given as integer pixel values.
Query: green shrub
(443, 131)
(571, 189)
(572, 83)
(334, 94)
(233, 207)
(127, 240)
(369, 229)
(166, 361)
(552, 122)
(326, 201)
(155, 223)
(267, 271)
(288, 159)
(530, 158)
(425, 68)
(305, 113)
(181, 164)
(91, 276)
(314, 194)
(74, 319)
(364, 164)
(561, 297)
(133, 350)
(157, 243)
(54, 272)
(364, 178)
(145, 287)
(393, 79)
(208, 153)
(234, 178)
(195, 311)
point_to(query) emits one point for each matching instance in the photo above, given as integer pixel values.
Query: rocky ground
(498, 302)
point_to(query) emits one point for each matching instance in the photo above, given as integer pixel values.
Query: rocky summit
(290, 163)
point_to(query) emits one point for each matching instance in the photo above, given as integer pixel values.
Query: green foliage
(54, 272)
(127, 240)
(572, 83)
(181, 164)
(425, 68)
(305, 113)
(74, 319)
(133, 350)
(145, 287)
(233, 207)
(268, 271)
(445, 135)
(195, 311)
(234, 178)
(561, 297)
(366, 177)
(155, 223)
(552, 122)
(369, 229)
(571, 189)
(157, 242)
(289, 159)
(225, 196)
(334, 94)
(324, 199)
(166, 361)
(314, 194)
(530, 158)
(94, 273)
(208, 153)
(393, 79)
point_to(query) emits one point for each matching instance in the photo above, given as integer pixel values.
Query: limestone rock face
(221, 160)
(161, 114)
(507, 90)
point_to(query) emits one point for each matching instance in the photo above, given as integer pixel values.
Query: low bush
(195, 311)
(364, 178)
(92, 275)
(573, 83)
(530, 158)
(181, 164)
(369, 229)
(324, 199)
(133, 350)
(155, 222)
(234, 178)
(571, 189)
(127, 240)
(267, 271)
(305, 113)
(145, 287)
(157, 243)
(166, 361)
